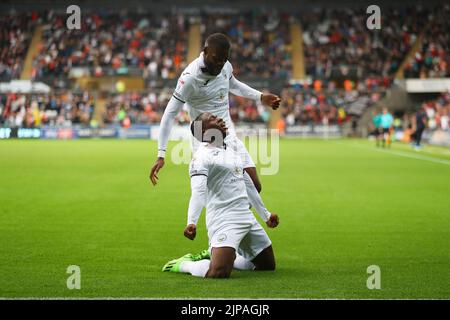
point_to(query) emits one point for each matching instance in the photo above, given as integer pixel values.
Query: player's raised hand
(273, 221)
(190, 231)
(271, 100)
(153, 173)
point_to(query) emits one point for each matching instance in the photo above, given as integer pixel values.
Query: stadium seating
(111, 43)
(260, 41)
(349, 66)
(15, 35)
(432, 59)
(338, 43)
(57, 109)
(328, 106)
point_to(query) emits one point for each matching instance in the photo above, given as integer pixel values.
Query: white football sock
(196, 268)
(241, 263)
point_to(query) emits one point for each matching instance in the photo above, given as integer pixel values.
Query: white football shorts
(248, 239)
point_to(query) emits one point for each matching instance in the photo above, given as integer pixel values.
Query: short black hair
(218, 41)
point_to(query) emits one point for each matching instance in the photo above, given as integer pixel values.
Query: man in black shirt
(421, 124)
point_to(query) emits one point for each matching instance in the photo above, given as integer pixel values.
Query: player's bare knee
(219, 272)
(268, 266)
(271, 266)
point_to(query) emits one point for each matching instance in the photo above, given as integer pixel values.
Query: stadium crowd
(329, 105)
(433, 58)
(337, 40)
(156, 45)
(15, 35)
(299, 106)
(260, 41)
(147, 108)
(57, 109)
(153, 44)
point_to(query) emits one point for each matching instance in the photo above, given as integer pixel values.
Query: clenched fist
(273, 221)
(190, 231)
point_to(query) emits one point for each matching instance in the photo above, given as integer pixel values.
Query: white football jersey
(227, 200)
(202, 92)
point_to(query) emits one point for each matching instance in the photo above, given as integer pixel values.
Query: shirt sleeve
(198, 166)
(239, 88)
(198, 198)
(185, 87)
(173, 107)
(198, 170)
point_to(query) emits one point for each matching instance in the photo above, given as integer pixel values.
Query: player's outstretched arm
(271, 100)
(196, 204)
(173, 107)
(241, 89)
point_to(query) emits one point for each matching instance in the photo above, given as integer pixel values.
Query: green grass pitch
(343, 205)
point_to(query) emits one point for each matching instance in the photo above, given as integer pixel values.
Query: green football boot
(204, 254)
(174, 265)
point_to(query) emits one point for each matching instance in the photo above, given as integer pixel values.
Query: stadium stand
(337, 42)
(15, 35)
(432, 60)
(346, 68)
(260, 41)
(56, 109)
(114, 43)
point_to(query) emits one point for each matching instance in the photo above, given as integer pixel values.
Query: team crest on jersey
(237, 171)
(221, 94)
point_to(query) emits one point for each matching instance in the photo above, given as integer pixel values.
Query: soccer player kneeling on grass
(217, 182)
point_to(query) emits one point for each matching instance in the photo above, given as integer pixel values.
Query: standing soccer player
(204, 86)
(376, 120)
(421, 124)
(217, 182)
(386, 123)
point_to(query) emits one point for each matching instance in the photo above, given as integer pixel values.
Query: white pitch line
(407, 155)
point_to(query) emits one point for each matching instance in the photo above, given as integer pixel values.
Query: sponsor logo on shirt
(223, 104)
